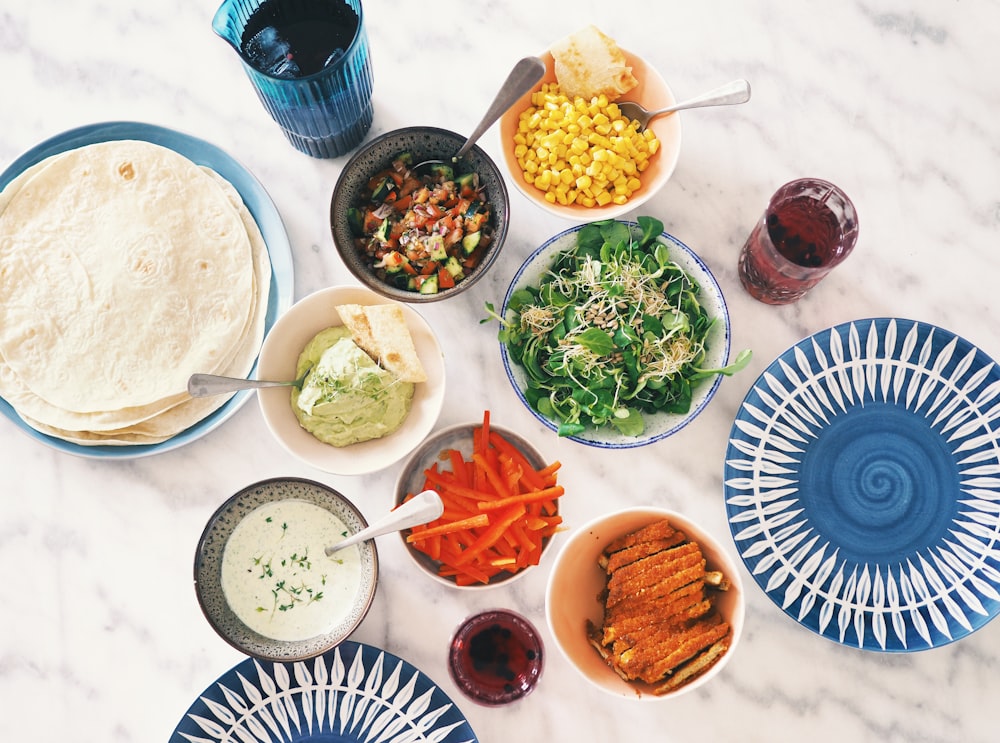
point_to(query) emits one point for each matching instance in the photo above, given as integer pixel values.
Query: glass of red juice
(310, 65)
(496, 657)
(809, 227)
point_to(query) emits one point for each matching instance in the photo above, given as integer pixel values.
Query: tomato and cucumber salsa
(422, 231)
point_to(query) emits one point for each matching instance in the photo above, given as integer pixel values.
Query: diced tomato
(427, 207)
(371, 222)
(445, 279)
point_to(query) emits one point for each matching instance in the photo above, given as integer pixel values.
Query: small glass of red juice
(809, 227)
(496, 657)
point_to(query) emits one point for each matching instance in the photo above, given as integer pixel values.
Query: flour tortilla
(162, 418)
(122, 266)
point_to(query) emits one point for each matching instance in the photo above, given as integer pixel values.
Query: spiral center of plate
(880, 483)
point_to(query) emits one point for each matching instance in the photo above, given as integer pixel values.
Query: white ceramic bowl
(411, 480)
(212, 546)
(653, 93)
(571, 597)
(660, 425)
(279, 355)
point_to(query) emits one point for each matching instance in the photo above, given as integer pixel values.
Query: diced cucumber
(355, 221)
(382, 189)
(453, 267)
(435, 246)
(467, 180)
(382, 233)
(393, 261)
(471, 241)
(441, 171)
(428, 284)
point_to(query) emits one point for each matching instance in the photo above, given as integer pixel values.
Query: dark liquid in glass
(805, 231)
(496, 657)
(296, 38)
(808, 228)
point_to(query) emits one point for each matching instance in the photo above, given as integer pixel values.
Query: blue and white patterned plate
(354, 692)
(862, 484)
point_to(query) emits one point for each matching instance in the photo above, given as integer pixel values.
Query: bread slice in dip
(380, 331)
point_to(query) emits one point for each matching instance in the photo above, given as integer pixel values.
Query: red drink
(809, 227)
(496, 657)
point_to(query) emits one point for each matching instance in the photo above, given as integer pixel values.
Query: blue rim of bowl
(264, 213)
(621, 442)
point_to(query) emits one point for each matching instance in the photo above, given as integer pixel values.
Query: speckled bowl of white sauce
(264, 580)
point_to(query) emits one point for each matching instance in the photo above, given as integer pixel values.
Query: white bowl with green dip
(353, 414)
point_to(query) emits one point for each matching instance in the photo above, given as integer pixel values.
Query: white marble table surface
(101, 638)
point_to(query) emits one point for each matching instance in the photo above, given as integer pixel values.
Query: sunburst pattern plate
(354, 692)
(862, 484)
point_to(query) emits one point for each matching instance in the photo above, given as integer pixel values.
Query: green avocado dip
(347, 397)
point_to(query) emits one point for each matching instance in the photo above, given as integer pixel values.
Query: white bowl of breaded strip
(645, 604)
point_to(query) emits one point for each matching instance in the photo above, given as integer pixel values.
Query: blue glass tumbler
(323, 114)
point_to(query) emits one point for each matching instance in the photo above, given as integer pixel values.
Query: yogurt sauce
(277, 577)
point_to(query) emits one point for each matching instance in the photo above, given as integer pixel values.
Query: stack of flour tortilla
(124, 269)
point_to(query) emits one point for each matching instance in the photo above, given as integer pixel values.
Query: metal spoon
(738, 91)
(420, 509)
(205, 385)
(522, 79)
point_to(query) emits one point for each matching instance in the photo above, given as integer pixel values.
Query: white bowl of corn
(583, 161)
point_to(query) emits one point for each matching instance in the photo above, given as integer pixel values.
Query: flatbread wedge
(380, 331)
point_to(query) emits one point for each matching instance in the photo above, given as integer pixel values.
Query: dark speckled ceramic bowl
(425, 143)
(208, 569)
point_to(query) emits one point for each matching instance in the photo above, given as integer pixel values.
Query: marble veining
(102, 638)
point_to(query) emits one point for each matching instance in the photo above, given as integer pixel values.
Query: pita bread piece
(589, 63)
(380, 331)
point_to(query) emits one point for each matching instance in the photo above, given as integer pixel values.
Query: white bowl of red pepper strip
(419, 234)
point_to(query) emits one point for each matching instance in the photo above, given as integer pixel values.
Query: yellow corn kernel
(580, 151)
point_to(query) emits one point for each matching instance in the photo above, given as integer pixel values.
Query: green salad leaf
(613, 331)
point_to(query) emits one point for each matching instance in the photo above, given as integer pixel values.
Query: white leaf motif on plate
(353, 701)
(937, 591)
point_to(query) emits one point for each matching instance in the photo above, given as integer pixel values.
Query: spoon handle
(420, 509)
(737, 91)
(525, 75)
(205, 385)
